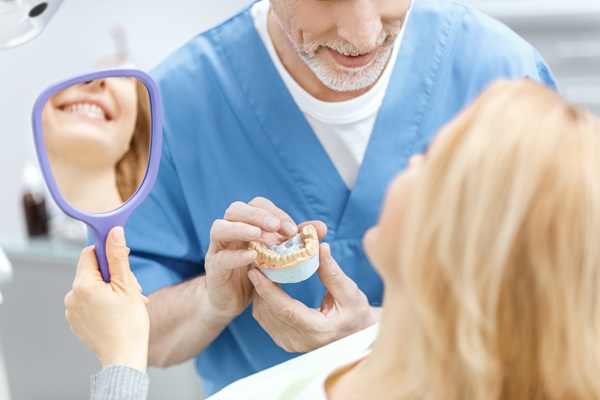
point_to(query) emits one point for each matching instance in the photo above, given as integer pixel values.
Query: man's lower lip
(352, 61)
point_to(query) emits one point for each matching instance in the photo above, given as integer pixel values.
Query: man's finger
(263, 314)
(319, 226)
(342, 288)
(229, 260)
(269, 220)
(228, 231)
(280, 302)
(288, 226)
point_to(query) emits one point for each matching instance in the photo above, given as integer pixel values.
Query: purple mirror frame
(100, 224)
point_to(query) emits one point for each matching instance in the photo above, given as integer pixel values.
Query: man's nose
(360, 24)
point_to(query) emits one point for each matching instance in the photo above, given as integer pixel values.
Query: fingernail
(289, 228)
(271, 222)
(250, 254)
(251, 231)
(119, 235)
(253, 278)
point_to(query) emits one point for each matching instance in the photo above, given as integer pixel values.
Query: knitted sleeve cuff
(119, 382)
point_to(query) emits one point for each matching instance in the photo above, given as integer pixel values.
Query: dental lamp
(23, 20)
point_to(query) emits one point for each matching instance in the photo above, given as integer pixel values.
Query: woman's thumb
(117, 253)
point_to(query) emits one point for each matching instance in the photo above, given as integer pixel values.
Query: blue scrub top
(233, 132)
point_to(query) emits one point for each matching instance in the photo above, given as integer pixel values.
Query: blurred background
(42, 359)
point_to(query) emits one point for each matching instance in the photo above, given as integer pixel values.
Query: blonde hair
(501, 262)
(131, 168)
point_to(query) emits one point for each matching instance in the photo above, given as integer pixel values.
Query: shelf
(45, 249)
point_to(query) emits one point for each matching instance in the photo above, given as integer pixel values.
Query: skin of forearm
(182, 323)
(134, 358)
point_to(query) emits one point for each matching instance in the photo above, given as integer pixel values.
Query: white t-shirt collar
(343, 112)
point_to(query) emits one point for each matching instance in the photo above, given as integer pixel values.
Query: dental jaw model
(292, 261)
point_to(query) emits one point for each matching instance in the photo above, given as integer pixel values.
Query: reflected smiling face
(92, 121)
(382, 241)
(345, 43)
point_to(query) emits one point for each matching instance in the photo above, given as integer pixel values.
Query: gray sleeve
(118, 382)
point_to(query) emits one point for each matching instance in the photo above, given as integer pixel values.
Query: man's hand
(212, 300)
(297, 328)
(110, 318)
(228, 258)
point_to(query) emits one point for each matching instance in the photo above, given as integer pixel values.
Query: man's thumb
(117, 253)
(342, 288)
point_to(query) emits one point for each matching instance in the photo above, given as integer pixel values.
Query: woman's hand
(110, 318)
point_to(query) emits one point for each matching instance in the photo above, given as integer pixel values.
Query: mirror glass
(97, 137)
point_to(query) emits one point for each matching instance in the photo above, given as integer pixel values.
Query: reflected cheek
(50, 124)
(123, 139)
(128, 109)
(126, 124)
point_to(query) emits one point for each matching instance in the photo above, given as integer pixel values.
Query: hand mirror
(98, 138)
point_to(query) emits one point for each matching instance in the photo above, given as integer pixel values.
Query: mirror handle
(99, 237)
(100, 231)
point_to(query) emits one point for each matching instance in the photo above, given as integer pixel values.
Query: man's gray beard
(346, 79)
(342, 79)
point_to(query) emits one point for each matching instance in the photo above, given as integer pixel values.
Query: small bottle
(34, 202)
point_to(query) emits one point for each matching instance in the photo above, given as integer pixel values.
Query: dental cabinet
(567, 35)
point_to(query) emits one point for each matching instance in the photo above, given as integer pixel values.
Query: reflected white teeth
(86, 108)
(267, 258)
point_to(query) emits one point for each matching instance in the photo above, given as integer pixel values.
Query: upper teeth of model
(86, 108)
(277, 257)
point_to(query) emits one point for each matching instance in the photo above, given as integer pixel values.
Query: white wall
(75, 39)
(567, 35)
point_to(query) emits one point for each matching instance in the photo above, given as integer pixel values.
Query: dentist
(295, 111)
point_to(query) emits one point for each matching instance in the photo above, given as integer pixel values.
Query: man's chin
(340, 78)
(347, 81)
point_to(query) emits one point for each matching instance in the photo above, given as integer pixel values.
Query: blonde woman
(493, 250)
(489, 247)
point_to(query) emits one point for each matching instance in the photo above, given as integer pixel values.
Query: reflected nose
(360, 25)
(96, 83)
